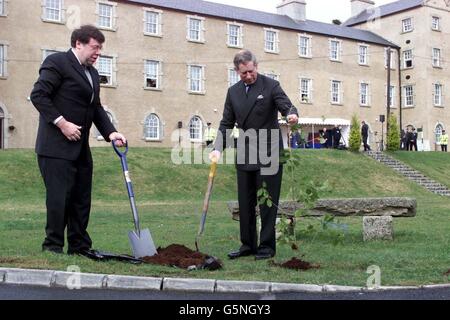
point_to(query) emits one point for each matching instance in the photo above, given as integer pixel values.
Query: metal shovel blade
(142, 245)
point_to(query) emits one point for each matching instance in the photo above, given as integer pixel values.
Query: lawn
(170, 197)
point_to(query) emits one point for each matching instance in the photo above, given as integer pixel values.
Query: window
(392, 97)
(438, 132)
(48, 52)
(97, 133)
(436, 23)
(196, 79)
(305, 90)
(392, 62)
(363, 53)
(233, 77)
(335, 50)
(304, 46)
(436, 58)
(409, 95)
(437, 95)
(195, 129)
(272, 75)
(407, 25)
(152, 22)
(105, 14)
(195, 29)
(364, 95)
(152, 74)
(152, 127)
(2, 7)
(105, 70)
(407, 59)
(336, 92)
(2, 60)
(234, 35)
(271, 41)
(52, 10)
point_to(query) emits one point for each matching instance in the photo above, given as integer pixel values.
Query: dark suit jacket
(256, 110)
(64, 89)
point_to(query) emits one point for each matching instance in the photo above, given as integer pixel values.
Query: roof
(265, 18)
(382, 11)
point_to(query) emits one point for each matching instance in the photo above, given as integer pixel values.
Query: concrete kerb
(51, 278)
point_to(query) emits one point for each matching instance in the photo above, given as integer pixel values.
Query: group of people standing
(409, 139)
(330, 138)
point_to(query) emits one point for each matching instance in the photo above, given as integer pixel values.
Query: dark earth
(296, 264)
(176, 255)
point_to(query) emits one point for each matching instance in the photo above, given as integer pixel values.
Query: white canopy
(324, 122)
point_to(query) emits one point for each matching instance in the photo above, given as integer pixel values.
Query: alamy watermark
(253, 147)
(374, 280)
(74, 280)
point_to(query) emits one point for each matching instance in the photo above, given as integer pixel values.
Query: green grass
(435, 165)
(170, 198)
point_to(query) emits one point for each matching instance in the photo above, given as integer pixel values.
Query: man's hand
(214, 156)
(292, 119)
(70, 130)
(120, 139)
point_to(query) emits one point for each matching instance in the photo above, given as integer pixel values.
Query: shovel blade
(142, 245)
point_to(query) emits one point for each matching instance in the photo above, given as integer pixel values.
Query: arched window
(152, 127)
(438, 133)
(2, 124)
(97, 133)
(195, 128)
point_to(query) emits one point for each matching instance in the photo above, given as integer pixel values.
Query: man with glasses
(66, 95)
(254, 103)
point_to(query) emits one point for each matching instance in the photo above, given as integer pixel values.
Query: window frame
(201, 31)
(309, 92)
(231, 70)
(158, 75)
(435, 27)
(410, 59)
(200, 129)
(308, 47)
(113, 17)
(4, 60)
(202, 89)
(3, 7)
(405, 25)
(338, 50)
(275, 41)
(159, 15)
(61, 17)
(113, 59)
(439, 58)
(239, 36)
(159, 127)
(366, 94)
(439, 103)
(365, 55)
(339, 93)
(406, 96)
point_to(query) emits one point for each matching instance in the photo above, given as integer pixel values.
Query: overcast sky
(319, 10)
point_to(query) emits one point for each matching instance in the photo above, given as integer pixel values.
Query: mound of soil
(447, 273)
(296, 264)
(177, 255)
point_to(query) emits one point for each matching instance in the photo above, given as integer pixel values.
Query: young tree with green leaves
(393, 138)
(355, 134)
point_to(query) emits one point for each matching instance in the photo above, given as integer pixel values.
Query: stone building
(167, 64)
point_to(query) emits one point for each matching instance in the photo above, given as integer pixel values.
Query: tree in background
(393, 138)
(355, 134)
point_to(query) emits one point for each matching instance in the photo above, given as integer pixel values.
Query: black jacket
(63, 89)
(252, 112)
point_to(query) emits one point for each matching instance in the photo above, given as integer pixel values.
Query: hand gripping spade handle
(212, 173)
(140, 240)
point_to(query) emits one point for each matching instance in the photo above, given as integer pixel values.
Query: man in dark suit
(365, 135)
(67, 98)
(253, 103)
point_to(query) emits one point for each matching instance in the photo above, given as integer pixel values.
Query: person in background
(323, 137)
(365, 135)
(209, 135)
(444, 141)
(67, 96)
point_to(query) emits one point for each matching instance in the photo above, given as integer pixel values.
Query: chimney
(295, 9)
(359, 6)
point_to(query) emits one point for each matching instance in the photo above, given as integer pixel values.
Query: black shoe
(264, 254)
(239, 253)
(88, 253)
(56, 250)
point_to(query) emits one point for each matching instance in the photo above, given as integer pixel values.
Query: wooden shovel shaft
(212, 174)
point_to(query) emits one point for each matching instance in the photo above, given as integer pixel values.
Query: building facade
(419, 28)
(167, 64)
